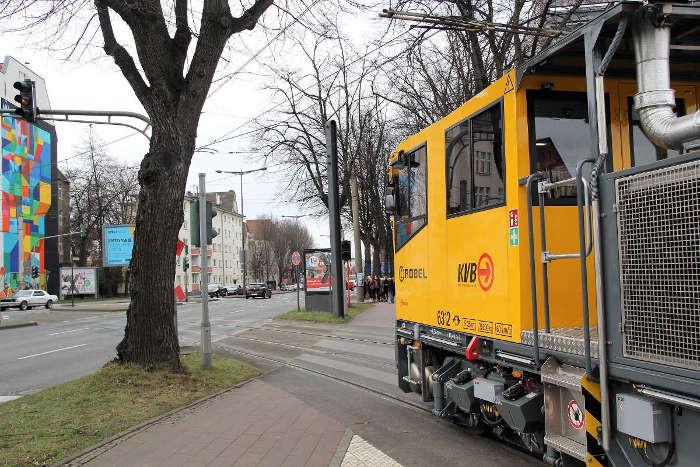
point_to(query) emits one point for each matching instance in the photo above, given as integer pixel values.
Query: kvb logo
(479, 273)
(486, 272)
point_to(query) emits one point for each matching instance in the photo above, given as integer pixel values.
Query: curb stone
(18, 325)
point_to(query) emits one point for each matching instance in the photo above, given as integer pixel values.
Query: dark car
(258, 290)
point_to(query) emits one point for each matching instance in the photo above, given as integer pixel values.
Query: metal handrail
(537, 176)
(585, 249)
(547, 256)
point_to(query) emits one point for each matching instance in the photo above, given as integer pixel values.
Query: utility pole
(355, 200)
(243, 258)
(337, 303)
(203, 250)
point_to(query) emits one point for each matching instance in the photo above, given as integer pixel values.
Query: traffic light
(26, 100)
(345, 250)
(35, 272)
(194, 223)
(185, 263)
(211, 214)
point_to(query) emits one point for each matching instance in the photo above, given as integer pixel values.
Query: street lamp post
(241, 173)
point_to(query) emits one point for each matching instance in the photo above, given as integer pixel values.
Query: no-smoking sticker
(574, 414)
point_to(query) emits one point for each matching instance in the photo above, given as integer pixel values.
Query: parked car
(27, 299)
(233, 289)
(288, 287)
(258, 290)
(216, 290)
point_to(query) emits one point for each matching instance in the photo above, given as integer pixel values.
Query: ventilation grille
(659, 245)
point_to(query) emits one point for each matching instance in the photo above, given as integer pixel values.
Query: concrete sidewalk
(255, 424)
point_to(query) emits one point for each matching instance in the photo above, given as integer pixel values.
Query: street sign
(296, 258)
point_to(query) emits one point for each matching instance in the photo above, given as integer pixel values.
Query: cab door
(636, 147)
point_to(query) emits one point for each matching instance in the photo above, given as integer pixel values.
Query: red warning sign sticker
(575, 415)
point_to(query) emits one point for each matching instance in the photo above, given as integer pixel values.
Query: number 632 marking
(444, 318)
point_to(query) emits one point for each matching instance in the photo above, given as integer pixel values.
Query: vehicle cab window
(410, 179)
(474, 163)
(38, 293)
(559, 138)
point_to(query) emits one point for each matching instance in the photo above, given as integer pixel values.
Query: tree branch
(121, 57)
(250, 17)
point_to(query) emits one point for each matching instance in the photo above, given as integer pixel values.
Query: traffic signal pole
(204, 260)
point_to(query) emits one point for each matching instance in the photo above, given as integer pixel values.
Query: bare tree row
(102, 191)
(270, 247)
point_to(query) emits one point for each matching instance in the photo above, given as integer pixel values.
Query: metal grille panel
(659, 245)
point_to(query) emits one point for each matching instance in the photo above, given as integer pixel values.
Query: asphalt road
(68, 345)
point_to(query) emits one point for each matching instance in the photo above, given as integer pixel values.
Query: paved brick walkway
(256, 424)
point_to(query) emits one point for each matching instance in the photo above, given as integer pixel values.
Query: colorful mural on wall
(25, 189)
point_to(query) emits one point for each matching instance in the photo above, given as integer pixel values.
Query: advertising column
(317, 279)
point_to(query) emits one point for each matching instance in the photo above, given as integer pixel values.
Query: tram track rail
(286, 363)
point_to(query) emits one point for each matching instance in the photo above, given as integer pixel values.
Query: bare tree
(460, 46)
(271, 246)
(343, 87)
(171, 80)
(102, 191)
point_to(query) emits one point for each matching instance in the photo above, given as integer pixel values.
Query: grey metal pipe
(655, 99)
(581, 196)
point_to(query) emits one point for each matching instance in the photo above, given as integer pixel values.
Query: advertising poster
(318, 270)
(85, 281)
(118, 241)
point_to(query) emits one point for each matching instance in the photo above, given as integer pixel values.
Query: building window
(474, 163)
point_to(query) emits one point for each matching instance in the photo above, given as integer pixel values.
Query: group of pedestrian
(380, 288)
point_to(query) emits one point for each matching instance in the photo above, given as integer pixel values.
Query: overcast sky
(94, 82)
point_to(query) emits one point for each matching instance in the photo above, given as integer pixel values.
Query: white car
(27, 299)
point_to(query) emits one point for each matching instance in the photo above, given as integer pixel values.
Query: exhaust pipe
(655, 100)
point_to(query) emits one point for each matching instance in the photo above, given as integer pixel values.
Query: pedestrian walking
(385, 287)
(368, 287)
(390, 289)
(375, 287)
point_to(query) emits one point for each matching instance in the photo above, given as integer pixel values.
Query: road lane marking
(67, 332)
(51, 351)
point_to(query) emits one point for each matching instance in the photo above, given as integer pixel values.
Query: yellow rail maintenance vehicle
(547, 247)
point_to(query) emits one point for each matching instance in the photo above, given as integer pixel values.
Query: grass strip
(325, 316)
(45, 427)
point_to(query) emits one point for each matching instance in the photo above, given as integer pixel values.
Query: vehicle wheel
(247, 297)
(23, 306)
(49, 304)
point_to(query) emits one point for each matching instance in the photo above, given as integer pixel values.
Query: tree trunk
(367, 269)
(150, 336)
(376, 260)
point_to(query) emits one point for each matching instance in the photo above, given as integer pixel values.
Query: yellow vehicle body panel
(497, 304)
